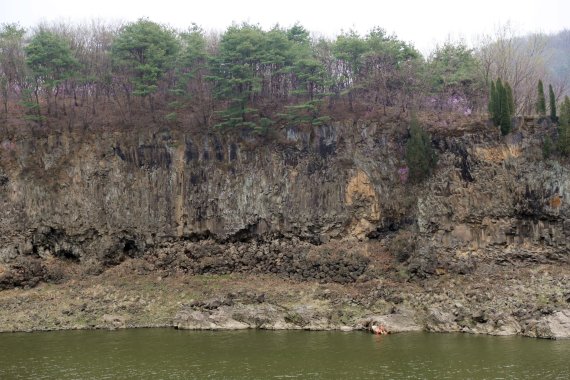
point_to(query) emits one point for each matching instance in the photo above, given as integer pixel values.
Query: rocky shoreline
(121, 298)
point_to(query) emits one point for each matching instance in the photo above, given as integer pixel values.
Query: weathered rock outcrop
(105, 197)
(108, 196)
(304, 204)
(554, 326)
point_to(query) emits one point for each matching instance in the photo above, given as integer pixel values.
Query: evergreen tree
(501, 105)
(510, 99)
(505, 111)
(349, 48)
(51, 62)
(12, 60)
(564, 127)
(190, 70)
(237, 76)
(540, 101)
(565, 111)
(452, 70)
(145, 51)
(420, 156)
(552, 101)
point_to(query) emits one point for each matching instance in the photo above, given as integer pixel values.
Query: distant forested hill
(558, 48)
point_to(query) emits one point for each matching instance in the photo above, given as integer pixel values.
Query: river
(176, 354)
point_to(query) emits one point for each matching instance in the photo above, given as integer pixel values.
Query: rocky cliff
(328, 203)
(103, 197)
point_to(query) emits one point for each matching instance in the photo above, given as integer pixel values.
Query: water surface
(174, 354)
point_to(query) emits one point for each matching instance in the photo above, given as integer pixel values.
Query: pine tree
(552, 101)
(420, 156)
(145, 51)
(51, 63)
(540, 101)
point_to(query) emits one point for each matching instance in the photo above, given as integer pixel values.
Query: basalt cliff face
(109, 196)
(331, 204)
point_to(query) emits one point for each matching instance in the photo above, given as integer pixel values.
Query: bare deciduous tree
(521, 61)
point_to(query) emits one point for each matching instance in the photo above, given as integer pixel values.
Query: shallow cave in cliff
(130, 248)
(67, 254)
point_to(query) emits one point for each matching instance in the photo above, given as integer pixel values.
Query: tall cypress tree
(552, 101)
(501, 105)
(564, 127)
(540, 100)
(510, 99)
(505, 111)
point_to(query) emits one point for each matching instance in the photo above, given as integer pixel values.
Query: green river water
(174, 354)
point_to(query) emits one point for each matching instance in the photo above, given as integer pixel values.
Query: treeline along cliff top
(64, 75)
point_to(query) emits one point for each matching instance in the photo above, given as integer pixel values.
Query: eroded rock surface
(326, 204)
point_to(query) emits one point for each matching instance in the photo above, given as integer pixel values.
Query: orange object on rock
(379, 330)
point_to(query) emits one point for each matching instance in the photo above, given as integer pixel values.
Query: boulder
(218, 319)
(554, 326)
(441, 321)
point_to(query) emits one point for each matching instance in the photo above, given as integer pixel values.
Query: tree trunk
(5, 101)
(128, 95)
(38, 105)
(48, 102)
(151, 104)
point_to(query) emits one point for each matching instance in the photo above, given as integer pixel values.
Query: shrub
(420, 156)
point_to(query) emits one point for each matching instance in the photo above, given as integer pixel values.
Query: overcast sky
(424, 23)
